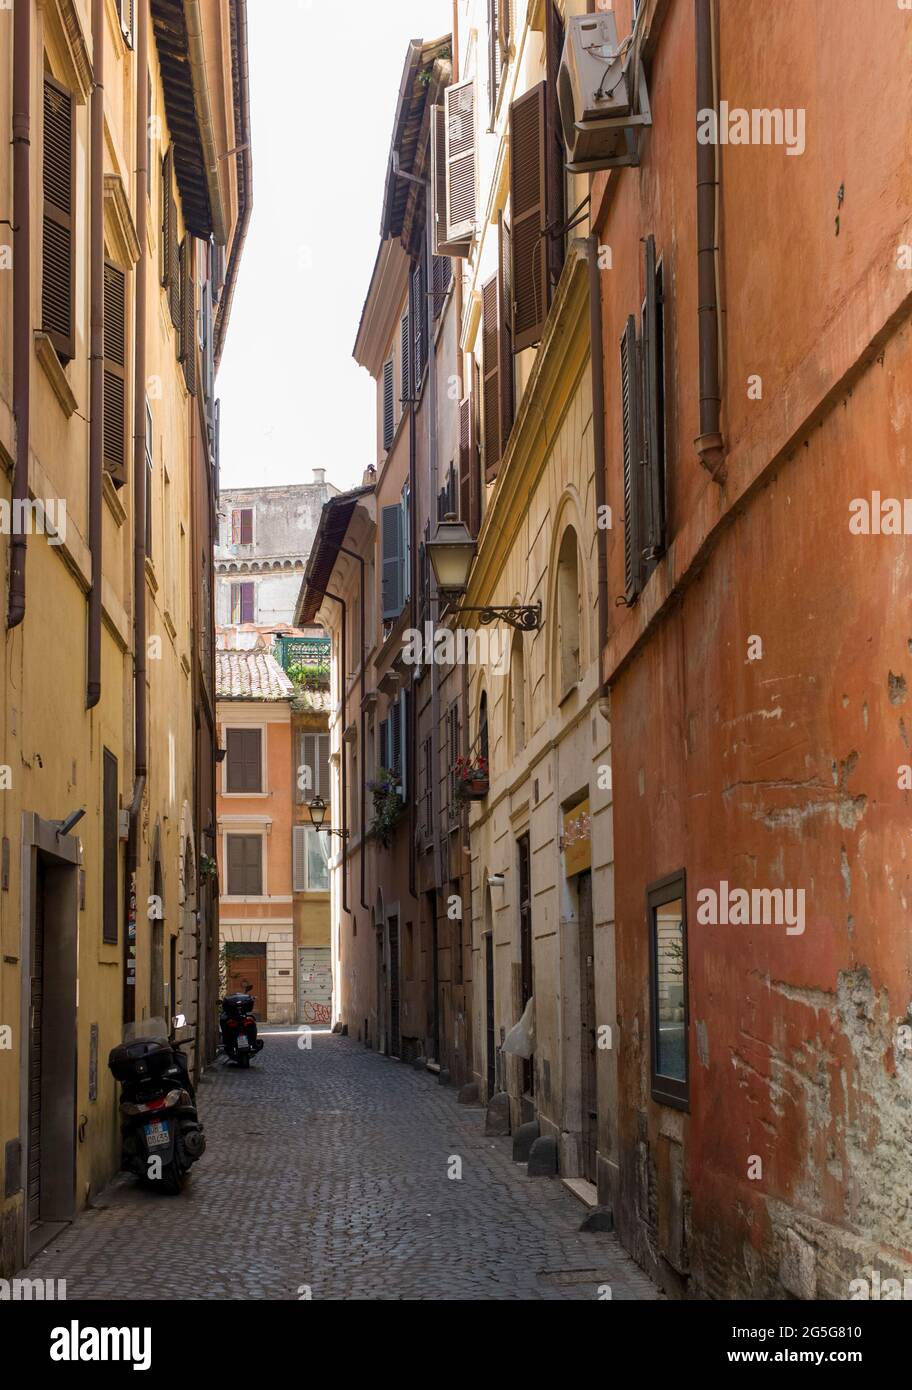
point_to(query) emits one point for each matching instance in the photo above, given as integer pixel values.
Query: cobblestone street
(328, 1168)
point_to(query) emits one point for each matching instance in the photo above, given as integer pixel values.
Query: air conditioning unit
(601, 92)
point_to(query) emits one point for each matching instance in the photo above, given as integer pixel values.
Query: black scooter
(161, 1135)
(238, 1028)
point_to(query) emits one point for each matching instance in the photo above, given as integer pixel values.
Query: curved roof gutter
(245, 177)
(203, 104)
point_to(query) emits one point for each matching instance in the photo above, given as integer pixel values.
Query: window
(389, 422)
(427, 809)
(150, 455)
(418, 321)
(115, 376)
(243, 603)
(187, 350)
(245, 866)
(58, 261)
(404, 360)
(499, 16)
(484, 750)
(242, 526)
(643, 415)
(244, 761)
(469, 474)
(442, 245)
(311, 860)
(497, 353)
(394, 549)
(568, 611)
(453, 750)
(441, 275)
(170, 250)
(459, 132)
(111, 849)
(313, 768)
(667, 920)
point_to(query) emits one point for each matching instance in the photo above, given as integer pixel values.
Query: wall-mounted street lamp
(451, 551)
(318, 809)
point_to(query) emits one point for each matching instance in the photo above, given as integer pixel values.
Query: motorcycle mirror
(179, 1020)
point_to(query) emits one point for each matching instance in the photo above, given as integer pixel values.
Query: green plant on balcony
(386, 793)
(471, 779)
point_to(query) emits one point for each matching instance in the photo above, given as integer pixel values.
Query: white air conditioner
(601, 92)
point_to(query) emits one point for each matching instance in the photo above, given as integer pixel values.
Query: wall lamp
(451, 552)
(318, 809)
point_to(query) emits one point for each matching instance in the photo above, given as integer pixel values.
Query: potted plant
(386, 791)
(471, 778)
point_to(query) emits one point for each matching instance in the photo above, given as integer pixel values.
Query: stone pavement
(327, 1170)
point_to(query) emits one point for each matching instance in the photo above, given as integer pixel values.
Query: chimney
(319, 476)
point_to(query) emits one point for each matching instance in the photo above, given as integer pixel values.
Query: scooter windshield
(145, 1028)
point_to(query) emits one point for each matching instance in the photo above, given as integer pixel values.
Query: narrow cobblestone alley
(328, 1168)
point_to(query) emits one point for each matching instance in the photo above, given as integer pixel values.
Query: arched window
(518, 692)
(568, 611)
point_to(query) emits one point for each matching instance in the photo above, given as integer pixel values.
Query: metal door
(315, 985)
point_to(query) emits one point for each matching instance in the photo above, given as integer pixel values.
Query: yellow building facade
(118, 277)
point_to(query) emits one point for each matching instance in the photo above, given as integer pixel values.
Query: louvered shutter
(404, 358)
(442, 244)
(383, 751)
(404, 769)
(310, 762)
(174, 272)
(245, 526)
(555, 151)
(441, 276)
(630, 409)
(127, 20)
(248, 606)
(188, 314)
(388, 404)
(495, 59)
(460, 141)
(299, 859)
(505, 331)
(115, 377)
(391, 554)
(490, 375)
(654, 480)
(395, 728)
(405, 544)
(469, 471)
(527, 211)
(166, 167)
(236, 527)
(58, 266)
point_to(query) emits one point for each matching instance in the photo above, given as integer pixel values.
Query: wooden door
(247, 975)
(588, 1038)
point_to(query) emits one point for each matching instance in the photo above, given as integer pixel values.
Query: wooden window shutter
(309, 761)
(442, 244)
(115, 376)
(391, 558)
(468, 452)
(460, 142)
(465, 466)
(555, 152)
(188, 314)
(383, 737)
(110, 849)
(405, 544)
(404, 769)
(505, 330)
(495, 59)
(245, 525)
(388, 404)
(490, 376)
(654, 479)
(404, 358)
(527, 210)
(442, 274)
(395, 726)
(630, 409)
(58, 267)
(167, 174)
(323, 776)
(127, 20)
(236, 527)
(299, 859)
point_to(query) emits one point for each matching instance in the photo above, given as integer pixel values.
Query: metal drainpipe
(363, 724)
(709, 444)
(344, 826)
(96, 357)
(139, 491)
(22, 274)
(597, 363)
(411, 731)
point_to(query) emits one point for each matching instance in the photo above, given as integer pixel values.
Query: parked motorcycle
(238, 1028)
(161, 1135)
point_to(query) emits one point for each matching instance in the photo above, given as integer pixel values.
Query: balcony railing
(305, 660)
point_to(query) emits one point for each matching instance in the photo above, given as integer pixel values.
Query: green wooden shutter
(388, 404)
(58, 261)
(115, 376)
(391, 560)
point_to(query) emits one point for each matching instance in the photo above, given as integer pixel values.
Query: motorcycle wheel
(243, 1060)
(171, 1181)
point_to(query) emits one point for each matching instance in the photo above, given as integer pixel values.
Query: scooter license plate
(157, 1133)
(243, 1042)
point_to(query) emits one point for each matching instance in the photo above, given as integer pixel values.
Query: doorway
(525, 949)
(247, 975)
(48, 1093)
(315, 985)
(394, 1041)
(588, 1030)
(491, 1044)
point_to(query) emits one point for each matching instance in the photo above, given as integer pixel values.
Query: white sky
(324, 78)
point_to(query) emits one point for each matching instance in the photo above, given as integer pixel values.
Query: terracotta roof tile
(250, 676)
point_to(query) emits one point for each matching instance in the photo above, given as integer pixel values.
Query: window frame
(243, 729)
(667, 1090)
(248, 834)
(307, 831)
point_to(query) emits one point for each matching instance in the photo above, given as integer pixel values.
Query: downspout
(96, 356)
(363, 734)
(709, 444)
(344, 827)
(597, 364)
(203, 105)
(411, 731)
(22, 273)
(139, 499)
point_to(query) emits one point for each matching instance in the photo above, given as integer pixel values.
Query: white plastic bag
(520, 1041)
